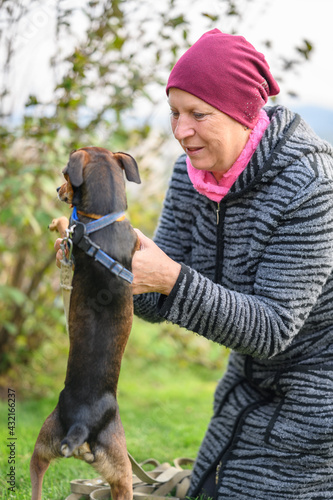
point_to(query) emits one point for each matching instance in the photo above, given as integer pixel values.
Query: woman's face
(211, 139)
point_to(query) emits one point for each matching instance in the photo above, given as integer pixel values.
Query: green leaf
(10, 294)
(212, 17)
(10, 327)
(176, 21)
(305, 50)
(32, 101)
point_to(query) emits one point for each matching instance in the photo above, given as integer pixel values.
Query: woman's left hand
(153, 270)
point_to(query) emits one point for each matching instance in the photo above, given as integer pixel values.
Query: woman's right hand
(153, 270)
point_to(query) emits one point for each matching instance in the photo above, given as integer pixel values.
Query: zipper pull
(218, 214)
(217, 472)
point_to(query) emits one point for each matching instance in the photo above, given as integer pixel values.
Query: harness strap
(100, 223)
(113, 266)
(80, 238)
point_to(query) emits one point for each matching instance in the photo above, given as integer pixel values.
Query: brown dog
(86, 421)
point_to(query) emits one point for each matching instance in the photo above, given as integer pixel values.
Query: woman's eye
(199, 116)
(174, 114)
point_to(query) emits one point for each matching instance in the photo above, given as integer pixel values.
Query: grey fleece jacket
(258, 279)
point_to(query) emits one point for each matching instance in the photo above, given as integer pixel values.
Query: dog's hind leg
(112, 462)
(47, 448)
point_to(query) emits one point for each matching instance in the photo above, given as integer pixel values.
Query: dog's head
(95, 174)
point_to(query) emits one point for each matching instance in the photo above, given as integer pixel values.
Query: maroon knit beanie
(228, 73)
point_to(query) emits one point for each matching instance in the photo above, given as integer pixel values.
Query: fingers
(145, 242)
(57, 243)
(59, 254)
(153, 270)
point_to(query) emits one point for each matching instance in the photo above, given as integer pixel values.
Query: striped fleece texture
(257, 277)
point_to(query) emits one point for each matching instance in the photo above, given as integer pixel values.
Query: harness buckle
(67, 244)
(78, 232)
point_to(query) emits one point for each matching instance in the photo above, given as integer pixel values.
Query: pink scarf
(205, 183)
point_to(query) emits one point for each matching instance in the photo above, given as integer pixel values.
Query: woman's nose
(183, 128)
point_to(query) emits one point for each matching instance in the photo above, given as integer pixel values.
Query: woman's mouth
(190, 151)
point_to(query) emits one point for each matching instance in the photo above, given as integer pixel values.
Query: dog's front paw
(60, 225)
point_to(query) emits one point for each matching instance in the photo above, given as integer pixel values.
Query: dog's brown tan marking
(86, 422)
(65, 191)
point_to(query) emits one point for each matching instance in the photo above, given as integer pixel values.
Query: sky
(285, 22)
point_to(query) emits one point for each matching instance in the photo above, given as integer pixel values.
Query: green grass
(165, 404)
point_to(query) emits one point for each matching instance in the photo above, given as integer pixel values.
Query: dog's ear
(74, 168)
(130, 166)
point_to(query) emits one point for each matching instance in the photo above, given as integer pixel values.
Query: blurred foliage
(27, 314)
(105, 95)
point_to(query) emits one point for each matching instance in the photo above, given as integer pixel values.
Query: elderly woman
(243, 255)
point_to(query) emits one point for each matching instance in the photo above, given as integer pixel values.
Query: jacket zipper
(233, 441)
(222, 458)
(220, 213)
(217, 472)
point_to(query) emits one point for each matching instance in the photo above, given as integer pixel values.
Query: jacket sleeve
(168, 239)
(290, 278)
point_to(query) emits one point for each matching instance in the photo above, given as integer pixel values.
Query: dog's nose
(58, 189)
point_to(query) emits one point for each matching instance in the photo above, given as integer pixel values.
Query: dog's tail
(76, 436)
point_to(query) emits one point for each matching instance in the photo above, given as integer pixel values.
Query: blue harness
(79, 235)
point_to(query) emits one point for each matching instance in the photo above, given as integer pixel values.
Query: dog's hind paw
(89, 458)
(84, 452)
(65, 450)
